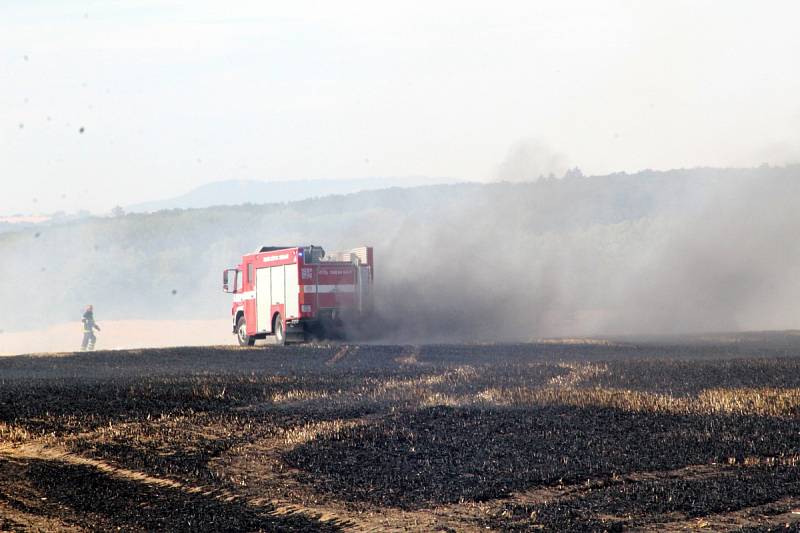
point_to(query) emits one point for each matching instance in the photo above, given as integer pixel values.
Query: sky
(117, 102)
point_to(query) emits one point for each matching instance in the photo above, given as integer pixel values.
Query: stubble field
(571, 435)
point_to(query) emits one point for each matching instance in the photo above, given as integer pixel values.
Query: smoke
(655, 252)
(783, 150)
(530, 159)
(731, 266)
(707, 253)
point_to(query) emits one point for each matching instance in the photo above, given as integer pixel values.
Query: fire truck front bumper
(295, 326)
(311, 327)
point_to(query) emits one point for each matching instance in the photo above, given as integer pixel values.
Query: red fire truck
(294, 293)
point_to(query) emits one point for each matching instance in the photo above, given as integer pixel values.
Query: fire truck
(299, 292)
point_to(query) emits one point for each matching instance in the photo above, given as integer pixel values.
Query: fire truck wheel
(241, 333)
(280, 335)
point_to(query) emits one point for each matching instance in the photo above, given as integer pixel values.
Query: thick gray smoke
(656, 252)
(732, 265)
(710, 251)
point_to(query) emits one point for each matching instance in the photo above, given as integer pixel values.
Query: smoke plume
(530, 159)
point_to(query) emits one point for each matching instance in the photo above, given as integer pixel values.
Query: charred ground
(665, 434)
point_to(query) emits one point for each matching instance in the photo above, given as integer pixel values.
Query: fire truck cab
(299, 292)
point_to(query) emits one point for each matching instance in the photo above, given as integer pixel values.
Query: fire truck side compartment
(292, 289)
(263, 300)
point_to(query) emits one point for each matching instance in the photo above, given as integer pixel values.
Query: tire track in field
(437, 516)
(40, 452)
(260, 462)
(765, 516)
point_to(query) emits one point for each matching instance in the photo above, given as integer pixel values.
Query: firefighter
(88, 329)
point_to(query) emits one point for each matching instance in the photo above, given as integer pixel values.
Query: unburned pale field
(553, 436)
(118, 335)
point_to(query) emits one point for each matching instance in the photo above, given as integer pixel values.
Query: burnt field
(661, 435)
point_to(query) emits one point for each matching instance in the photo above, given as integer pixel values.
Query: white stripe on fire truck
(321, 289)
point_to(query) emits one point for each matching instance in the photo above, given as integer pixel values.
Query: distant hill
(237, 192)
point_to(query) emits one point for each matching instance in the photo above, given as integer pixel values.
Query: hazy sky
(175, 94)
